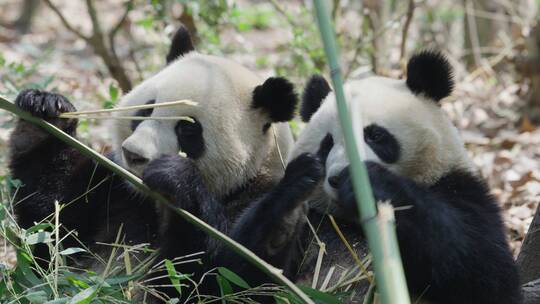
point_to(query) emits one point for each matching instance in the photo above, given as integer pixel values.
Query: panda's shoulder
(467, 186)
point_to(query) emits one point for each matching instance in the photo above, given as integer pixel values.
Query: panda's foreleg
(49, 170)
(34, 153)
(178, 179)
(450, 236)
(271, 226)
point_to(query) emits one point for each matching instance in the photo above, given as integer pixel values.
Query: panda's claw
(43, 104)
(48, 106)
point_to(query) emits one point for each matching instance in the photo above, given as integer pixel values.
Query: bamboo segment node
(382, 240)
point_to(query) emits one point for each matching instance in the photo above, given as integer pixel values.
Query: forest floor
(486, 109)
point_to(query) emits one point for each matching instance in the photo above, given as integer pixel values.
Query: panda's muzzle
(134, 159)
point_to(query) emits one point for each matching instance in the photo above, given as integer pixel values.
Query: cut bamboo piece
(137, 107)
(186, 118)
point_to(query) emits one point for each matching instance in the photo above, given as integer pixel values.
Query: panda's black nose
(334, 181)
(133, 158)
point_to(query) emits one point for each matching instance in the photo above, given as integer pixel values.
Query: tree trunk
(377, 13)
(529, 256)
(529, 67)
(112, 63)
(28, 10)
(531, 292)
(479, 32)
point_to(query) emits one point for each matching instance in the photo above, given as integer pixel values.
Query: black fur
(429, 73)
(181, 44)
(50, 170)
(383, 143)
(142, 112)
(451, 237)
(43, 104)
(190, 138)
(271, 226)
(277, 97)
(316, 90)
(268, 227)
(178, 179)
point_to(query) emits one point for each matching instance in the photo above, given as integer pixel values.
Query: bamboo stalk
(382, 242)
(271, 271)
(137, 107)
(84, 116)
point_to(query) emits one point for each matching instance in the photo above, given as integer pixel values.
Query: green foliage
(15, 76)
(111, 101)
(254, 17)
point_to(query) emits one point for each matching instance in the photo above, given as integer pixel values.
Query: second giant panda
(449, 228)
(232, 177)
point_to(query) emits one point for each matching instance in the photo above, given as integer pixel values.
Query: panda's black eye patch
(382, 142)
(141, 112)
(190, 138)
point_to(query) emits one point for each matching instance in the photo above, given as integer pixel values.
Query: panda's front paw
(171, 175)
(386, 186)
(304, 173)
(46, 105)
(43, 104)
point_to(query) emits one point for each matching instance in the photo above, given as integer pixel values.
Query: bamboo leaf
(71, 250)
(173, 276)
(85, 296)
(233, 277)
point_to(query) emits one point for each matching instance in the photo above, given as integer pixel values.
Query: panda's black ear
(429, 73)
(181, 44)
(316, 90)
(276, 96)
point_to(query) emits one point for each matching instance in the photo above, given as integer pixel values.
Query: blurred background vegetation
(94, 51)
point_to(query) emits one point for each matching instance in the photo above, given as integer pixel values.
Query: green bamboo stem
(381, 239)
(271, 271)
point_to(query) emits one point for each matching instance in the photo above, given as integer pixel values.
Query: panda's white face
(226, 141)
(406, 133)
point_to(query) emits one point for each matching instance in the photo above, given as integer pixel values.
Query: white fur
(430, 144)
(236, 150)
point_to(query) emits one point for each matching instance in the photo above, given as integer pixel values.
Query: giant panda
(232, 176)
(449, 228)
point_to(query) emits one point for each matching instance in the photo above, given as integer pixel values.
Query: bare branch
(473, 32)
(284, 12)
(98, 41)
(408, 19)
(64, 21)
(116, 28)
(94, 18)
(118, 25)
